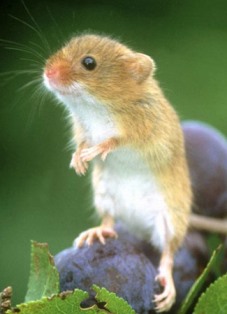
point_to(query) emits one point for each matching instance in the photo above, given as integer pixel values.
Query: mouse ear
(140, 66)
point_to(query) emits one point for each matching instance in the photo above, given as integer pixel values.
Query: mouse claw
(78, 164)
(97, 233)
(166, 299)
(88, 154)
(102, 149)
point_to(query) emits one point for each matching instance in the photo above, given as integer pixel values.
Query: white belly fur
(125, 187)
(128, 191)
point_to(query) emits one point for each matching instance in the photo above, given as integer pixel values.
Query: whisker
(29, 84)
(34, 62)
(30, 51)
(25, 23)
(56, 26)
(11, 45)
(19, 72)
(42, 97)
(38, 46)
(8, 76)
(17, 44)
(39, 94)
(37, 29)
(32, 28)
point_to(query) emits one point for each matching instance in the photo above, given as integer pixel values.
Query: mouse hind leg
(165, 300)
(171, 241)
(165, 239)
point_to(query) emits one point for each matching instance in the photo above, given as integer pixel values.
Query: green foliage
(196, 288)
(214, 300)
(44, 278)
(69, 303)
(63, 303)
(43, 291)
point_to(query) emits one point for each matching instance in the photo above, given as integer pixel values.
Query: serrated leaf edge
(199, 282)
(99, 290)
(203, 295)
(62, 295)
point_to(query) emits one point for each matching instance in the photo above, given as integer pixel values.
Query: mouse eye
(89, 63)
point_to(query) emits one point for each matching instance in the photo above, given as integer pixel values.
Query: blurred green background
(40, 198)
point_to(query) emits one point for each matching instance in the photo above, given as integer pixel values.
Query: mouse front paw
(90, 153)
(96, 233)
(77, 163)
(165, 300)
(102, 149)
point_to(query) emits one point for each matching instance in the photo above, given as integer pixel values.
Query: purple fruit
(126, 266)
(119, 266)
(206, 150)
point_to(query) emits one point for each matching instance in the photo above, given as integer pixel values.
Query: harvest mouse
(126, 127)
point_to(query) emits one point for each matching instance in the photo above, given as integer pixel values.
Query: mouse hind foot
(105, 230)
(97, 233)
(165, 300)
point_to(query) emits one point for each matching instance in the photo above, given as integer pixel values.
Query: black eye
(89, 63)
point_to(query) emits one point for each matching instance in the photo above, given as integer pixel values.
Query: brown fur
(145, 119)
(123, 81)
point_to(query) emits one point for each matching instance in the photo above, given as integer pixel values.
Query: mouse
(130, 135)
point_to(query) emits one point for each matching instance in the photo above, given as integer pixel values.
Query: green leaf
(69, 302)
(44, 277)
(64, 303)
(195, 289)
(43, 298)
(114, 304)
(214, 299)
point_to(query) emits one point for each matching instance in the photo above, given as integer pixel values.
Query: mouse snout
(58, 73)
(52, 73)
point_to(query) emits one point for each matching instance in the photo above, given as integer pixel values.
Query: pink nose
(58, 72)
(52, 73)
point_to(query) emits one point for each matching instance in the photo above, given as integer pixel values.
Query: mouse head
(102, 66)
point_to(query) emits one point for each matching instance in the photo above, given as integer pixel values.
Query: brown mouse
(126, 128)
